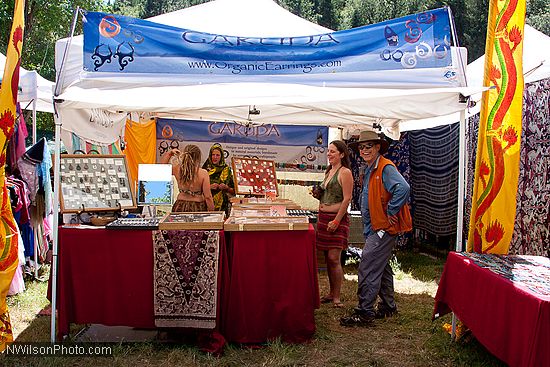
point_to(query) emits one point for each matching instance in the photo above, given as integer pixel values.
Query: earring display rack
(254, 177)
(95, 183)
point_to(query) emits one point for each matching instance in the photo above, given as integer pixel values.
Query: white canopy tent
(35, 92)
(281, 103)
(32, 88)
(350, 108)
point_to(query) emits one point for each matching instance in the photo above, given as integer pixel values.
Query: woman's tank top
(333, 191)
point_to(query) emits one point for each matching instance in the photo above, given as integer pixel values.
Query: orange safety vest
(378, 204)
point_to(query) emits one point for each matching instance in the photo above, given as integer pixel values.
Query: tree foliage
(46, 21)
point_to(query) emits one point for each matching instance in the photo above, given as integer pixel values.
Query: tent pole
(35, 237)
(57, 162)
(56, 188)
(35, 246)
(461, 177)
(34, 121)
(461, 184)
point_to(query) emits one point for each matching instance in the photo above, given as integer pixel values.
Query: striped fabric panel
(434, 178)
(86, 146)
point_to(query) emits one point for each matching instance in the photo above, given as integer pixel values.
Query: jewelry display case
(193, 220)
(95, 183)
(254, 177)
(266, 224)
(249, 212)
(259, 202)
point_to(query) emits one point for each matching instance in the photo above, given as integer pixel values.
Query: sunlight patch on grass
(24, 307)
(405, 283)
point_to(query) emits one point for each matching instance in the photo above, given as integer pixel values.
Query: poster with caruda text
(290, 144)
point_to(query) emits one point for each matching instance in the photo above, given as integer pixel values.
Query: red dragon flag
(8, 227)
(498, 145)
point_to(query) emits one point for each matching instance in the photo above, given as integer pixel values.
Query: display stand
(94, 183)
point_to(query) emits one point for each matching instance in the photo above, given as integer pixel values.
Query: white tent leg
(461, 184)
(34, 121)
(35, 237)
(35, 240)
(56, 187)
(57, 162)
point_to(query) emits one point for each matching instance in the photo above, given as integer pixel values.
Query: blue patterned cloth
(434, 179)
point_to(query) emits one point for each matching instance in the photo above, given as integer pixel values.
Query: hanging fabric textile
(16, 145)
(141, 142)
(74, 143)
(34, 167)
(20, 203)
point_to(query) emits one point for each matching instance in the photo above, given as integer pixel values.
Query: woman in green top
(221, 178)
(333, 222)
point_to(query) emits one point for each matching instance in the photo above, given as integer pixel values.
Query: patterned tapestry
(434, 179)
(185, 278)
(532, 222)
(532, 226)
(529, 272)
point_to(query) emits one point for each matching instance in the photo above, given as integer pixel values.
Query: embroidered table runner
(185, 278)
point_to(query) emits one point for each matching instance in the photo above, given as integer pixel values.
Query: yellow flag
(498, 146)
(8, 227)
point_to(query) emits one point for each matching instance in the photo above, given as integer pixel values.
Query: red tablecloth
(273, 289)
(511, 321)
(106, 277)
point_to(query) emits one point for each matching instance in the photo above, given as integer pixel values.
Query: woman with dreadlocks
(193, 182)
(221, 178)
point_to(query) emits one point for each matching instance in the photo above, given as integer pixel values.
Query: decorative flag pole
(498, 148)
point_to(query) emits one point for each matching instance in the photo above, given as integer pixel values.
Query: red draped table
(503, 300)
(106, 277)
(273, 288)
(267, 282)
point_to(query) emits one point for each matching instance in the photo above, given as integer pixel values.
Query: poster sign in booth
(279, 143)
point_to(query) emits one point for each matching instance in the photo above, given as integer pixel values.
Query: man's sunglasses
(365, 146)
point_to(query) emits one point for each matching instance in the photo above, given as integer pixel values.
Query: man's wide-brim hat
(371, 137)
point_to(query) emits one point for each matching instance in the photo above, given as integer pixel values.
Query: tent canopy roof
(278, 103)
(32, 86)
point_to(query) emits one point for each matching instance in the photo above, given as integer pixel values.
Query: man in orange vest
(385, 214)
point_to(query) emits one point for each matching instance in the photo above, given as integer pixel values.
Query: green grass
(409, 339)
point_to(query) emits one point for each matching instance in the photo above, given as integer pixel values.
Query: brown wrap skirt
(189, 206)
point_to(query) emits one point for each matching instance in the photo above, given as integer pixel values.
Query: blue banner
(119, 44)
(280, 143)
